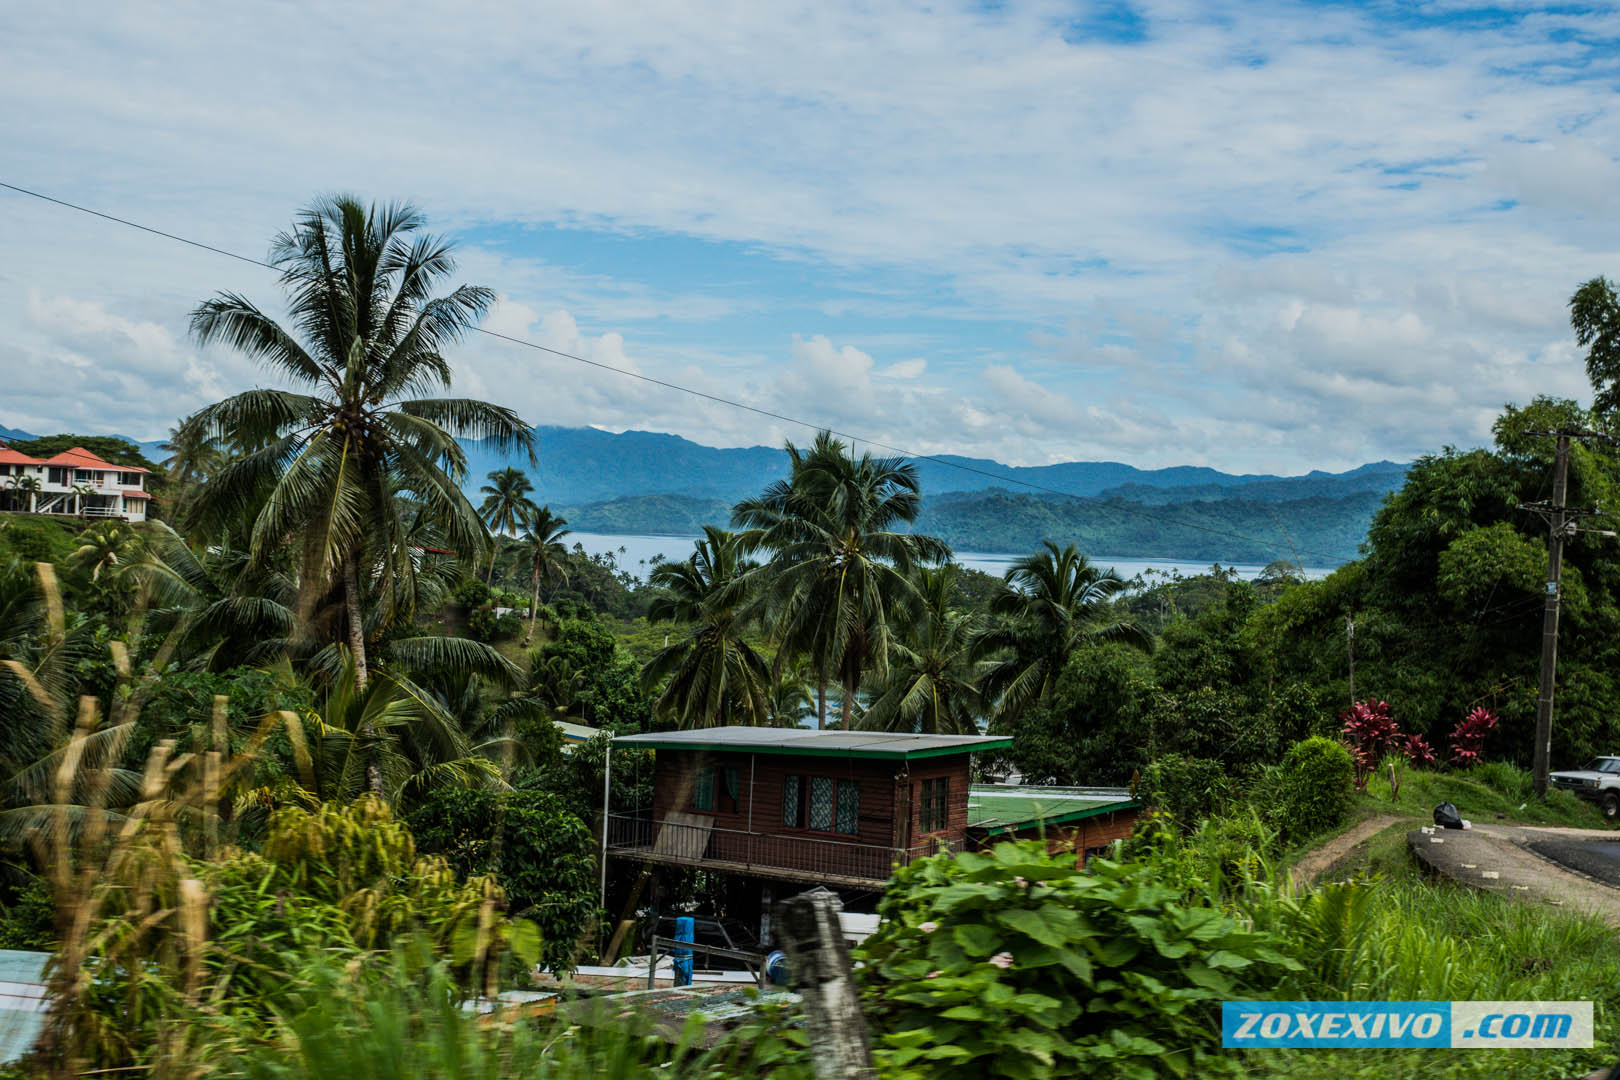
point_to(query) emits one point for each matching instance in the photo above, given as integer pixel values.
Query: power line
(1113, 507)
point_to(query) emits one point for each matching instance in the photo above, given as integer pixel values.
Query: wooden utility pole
(1350, 646)
(1560, 527)
(1549, 618)
(819, 969)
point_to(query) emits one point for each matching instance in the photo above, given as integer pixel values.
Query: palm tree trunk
(534, 609)
(848, 706)
(357, 649)
(821, 704)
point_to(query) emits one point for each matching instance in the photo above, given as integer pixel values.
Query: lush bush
(34, 539)
(1015, 963)
(1189, 789)
(239, 930)
(28, 921)
(542, 854)
(483, 624)
(1314, 788)
(472, 593)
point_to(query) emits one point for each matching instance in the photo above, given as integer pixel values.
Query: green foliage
(28, 921)
(34, 539)
(1090, 730)
(1314, 788)
(609, 692)
(542, 855)
(1189, 789)
(1487, 564)
(401, 1020)
(472, 593)
(1014, 963)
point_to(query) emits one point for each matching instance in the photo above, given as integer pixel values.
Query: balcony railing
(772, 854)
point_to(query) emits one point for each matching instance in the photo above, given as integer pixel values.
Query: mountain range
(651, 482)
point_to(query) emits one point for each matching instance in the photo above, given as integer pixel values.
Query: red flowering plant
(1371, 732)
(1468, 737)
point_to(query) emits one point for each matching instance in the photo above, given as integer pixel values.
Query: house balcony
(692, 840)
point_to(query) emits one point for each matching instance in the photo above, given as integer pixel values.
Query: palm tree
(81, 499)
(548, 559)
(1053, 602)
(714, 676)
(108, 547)
(26, 485)
(194, 457)
(322, 468)
(506, 506)
(838, 568)
(935, 674)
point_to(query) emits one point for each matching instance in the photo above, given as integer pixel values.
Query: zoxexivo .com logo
(1406, 1024)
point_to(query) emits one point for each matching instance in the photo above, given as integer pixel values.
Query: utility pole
(1560, 527)
(1549, 617)
(1350, 646)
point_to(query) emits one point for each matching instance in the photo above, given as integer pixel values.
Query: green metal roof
(998, 809)
(809, 742)
(22, 1001)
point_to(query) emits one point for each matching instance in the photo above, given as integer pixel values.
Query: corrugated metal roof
(22, 1001)
(1001, 808)
(807, 741)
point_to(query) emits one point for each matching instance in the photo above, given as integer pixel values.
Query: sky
(1262, 237)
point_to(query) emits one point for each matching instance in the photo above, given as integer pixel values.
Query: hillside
(653, 483)
(1323, 531)
(579, 466)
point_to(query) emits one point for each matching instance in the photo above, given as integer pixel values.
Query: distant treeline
(1321, 531)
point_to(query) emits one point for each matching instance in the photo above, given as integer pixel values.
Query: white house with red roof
(74, 483)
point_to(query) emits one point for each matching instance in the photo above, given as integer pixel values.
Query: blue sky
(1264, 237)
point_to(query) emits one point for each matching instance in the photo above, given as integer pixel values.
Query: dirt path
(1497, 858)
(1318, 861)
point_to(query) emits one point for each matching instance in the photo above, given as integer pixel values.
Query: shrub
(1468, 737)
(1016, 963)
(1314, 788)
(472, 593)
(1189, 789)
(1371, 732)
(543, 856)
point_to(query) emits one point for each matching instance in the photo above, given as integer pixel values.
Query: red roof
(136, 495)
(78, 458)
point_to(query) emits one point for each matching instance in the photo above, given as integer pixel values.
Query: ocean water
(637, 554)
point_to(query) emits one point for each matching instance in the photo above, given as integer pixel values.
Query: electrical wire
(1108, 506)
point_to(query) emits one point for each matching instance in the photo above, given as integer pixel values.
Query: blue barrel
(776, 970)
(684, 929)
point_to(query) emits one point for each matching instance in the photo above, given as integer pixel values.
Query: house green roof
(807, 741)
(998, 809)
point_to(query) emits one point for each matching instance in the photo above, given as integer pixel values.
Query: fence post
(819, 969)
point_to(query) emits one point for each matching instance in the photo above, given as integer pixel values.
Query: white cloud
(1264, 236)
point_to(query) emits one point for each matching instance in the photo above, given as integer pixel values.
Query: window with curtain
(941, 804)
(703, 789)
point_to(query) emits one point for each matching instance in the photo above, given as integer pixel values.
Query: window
(821, 803)
(849, 806)
(790, 801)
(130, 479)
(55, 475)
(83, 476)
(933, 808)
(703, 789)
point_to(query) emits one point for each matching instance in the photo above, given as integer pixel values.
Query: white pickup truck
(1598, 781)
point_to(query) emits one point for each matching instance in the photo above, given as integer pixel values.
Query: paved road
(1504, 859)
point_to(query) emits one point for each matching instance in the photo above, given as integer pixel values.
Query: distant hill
(584, 465)
(655, 483)
(1320, 531)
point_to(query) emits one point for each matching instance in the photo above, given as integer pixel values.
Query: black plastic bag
(1446, 816)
